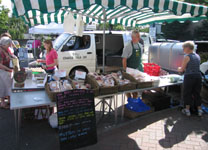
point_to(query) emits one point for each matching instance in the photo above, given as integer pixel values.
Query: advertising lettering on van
(78, 57)
(64, 58)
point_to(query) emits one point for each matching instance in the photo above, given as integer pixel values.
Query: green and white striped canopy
(125, 12)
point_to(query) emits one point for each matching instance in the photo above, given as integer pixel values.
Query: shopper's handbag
(14, 61)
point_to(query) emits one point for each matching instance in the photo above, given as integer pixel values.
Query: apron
(5, 83)
(135, 60)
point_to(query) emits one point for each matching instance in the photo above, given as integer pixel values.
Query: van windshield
(60, 40)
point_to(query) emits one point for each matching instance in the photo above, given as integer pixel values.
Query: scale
(20, 77)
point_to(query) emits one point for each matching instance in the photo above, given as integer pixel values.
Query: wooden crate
(139, 84)
(132, 114)
(130, 86)
(51, 94)
(104, 90)
(94, 86)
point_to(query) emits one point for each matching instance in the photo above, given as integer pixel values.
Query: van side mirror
(65, 48)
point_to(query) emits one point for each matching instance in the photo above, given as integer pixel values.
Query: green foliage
(140, 29)
(186, 31)
(117, 27)
(17, 28)
(204, 2)
(204, 57)
(144, 30)
(201, 31)
(101, 26)
(4, 19)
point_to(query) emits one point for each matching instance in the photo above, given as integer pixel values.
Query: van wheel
(72, 73)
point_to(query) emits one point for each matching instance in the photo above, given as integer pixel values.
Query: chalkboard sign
(76, 119)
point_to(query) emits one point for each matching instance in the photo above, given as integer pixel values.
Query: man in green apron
(132, 56)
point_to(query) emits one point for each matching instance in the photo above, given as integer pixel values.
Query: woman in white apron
(5, 71)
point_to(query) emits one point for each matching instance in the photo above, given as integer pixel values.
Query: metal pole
(34, 48)
(104, 26)
(116, 108)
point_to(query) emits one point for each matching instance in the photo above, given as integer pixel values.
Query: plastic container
(152, 69)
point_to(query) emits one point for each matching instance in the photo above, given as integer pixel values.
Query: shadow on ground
(178, 128)
(123, 137)
(38, 135)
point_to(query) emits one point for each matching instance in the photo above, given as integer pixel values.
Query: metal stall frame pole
(104, 26)
(34, 53)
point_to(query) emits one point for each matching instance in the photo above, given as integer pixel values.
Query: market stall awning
(125, 12)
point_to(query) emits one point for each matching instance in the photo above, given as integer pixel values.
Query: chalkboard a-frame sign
(76, 119)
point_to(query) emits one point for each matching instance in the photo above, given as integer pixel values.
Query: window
(60, 40)
(78, 43)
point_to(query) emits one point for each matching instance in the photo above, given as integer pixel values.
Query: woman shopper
(12, 49)
(5, 71)
(51, 57)
(192, 79)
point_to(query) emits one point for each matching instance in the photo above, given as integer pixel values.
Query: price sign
(76, 119)
(80, 75)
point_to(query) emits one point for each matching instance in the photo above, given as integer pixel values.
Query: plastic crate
(152, 69)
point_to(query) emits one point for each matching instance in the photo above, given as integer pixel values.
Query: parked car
(74, 54)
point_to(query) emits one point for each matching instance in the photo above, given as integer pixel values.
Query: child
(192, 78)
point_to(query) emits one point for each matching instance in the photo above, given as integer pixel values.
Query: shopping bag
(137, 105)
(53, 121)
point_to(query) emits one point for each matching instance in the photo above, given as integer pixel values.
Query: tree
(187, 30)
(204, 2)
(201, 32)
(17, 28)
(116, 27)
(4, 19)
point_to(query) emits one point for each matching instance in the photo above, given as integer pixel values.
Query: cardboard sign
(76, 119)
(80, 75)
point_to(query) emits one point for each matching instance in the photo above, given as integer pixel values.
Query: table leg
(103, 103)
(17, 116)
(16, 127)
(123, 105)
(116, 108)
(167, 89)
(181, 101)
(110, 105)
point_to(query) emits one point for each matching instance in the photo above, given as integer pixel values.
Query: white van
(86, 53)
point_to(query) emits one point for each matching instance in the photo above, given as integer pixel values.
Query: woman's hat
(5, 41)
